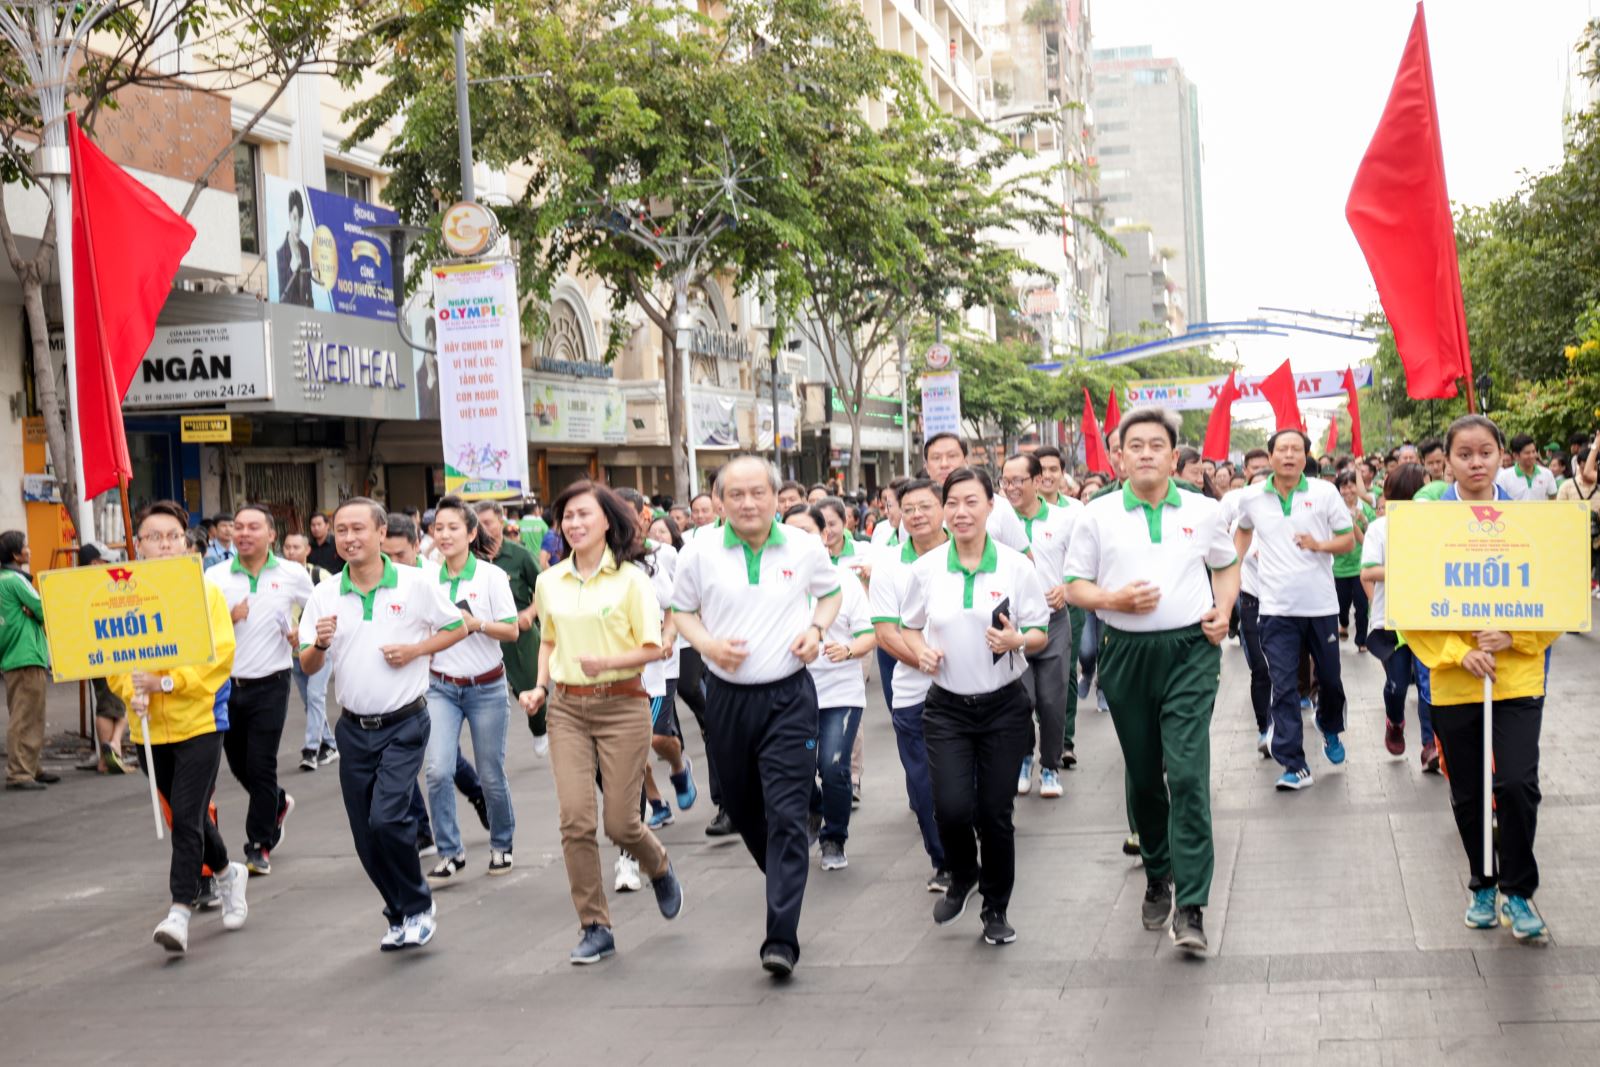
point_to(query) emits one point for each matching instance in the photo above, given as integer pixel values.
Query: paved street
(1335, 924)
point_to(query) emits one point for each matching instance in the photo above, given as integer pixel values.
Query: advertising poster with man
(320, 254)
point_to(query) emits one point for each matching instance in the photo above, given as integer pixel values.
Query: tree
(218, 44)
(623, 113)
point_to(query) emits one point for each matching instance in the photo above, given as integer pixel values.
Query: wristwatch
(166, 684)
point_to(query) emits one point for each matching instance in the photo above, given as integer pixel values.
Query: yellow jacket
(1519, 671)
(198, 703)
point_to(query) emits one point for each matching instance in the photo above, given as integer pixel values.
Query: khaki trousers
(610, 734)
(25, 688)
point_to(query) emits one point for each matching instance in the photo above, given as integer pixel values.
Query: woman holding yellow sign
(1455, 665)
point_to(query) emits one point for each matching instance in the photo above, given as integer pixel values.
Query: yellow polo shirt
(613, 612)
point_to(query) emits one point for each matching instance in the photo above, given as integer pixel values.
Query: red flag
(1277, 389)
(1094, 446)
(1219, 429)
(1333, 435)
(126, 247)
(1399, 209)
(1354, 407)
(1113, 416)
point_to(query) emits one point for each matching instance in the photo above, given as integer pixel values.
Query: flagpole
(57, 155)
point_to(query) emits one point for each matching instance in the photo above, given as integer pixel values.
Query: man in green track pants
(1140, 558)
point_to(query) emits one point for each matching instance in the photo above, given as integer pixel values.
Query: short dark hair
(1049, 452)
(896, 485)
(1154, 416)
(813, 510)
(1035, 468)
(697, 496)
(1405, 482)
(1521, 441)
(1473, 422)
(835, 505)
(946, 436)
(793, 485)
(266, 513)
(1577, 437)
(170, 508)
(11, 545)
(380, 517)
(1429, 447)
(222, 516)
(401, 526)
(296, 202)
(481, 506)
(1257, 453)
(1272, 442)
(917, 485)
(970, 474)
(1187, 455)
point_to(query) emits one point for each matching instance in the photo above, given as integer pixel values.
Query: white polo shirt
(1004, 525)
(1248, 581)
(1540, 485)
(1120, 539)
(1375, 553)
(885, 535)
(262, 643)
(656, 673)
(844, 685)
(1049, 533)
(954, 607)
(404, 608)
(486, 591)
(886, 600)
(1293, 581)
(854, 555)
(762, 597)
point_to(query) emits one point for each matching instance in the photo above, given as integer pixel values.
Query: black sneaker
(258, 860)
(813, 828)
(1069, 758)
(208, 898)
(308, 759)
(448, 868)
(1157, 904)
(669, 893)
(327, 754)
(481, 806)
(721, 826)
(499, 862)
(1130, 845)
(950, 907)
(777, 960)
(1188, 929)
(996, 931)
(425, 845)
(939, 882)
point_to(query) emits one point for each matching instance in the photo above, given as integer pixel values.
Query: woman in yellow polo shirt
(600, 623)
(1450, 679)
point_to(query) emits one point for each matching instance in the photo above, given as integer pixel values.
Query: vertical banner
(941, 404)
(481, 416)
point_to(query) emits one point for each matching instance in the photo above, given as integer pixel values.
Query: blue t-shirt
(554, 545)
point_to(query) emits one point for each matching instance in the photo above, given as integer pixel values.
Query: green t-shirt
(22, 642)
(1348, 565)
(1432, 491)
(531, 531)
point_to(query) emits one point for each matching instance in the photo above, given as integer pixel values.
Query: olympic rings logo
(1486, 527)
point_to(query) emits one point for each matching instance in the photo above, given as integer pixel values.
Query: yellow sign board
(116, 618)
(210, 429)
(1491, 565)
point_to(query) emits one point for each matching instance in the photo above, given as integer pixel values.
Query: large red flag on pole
(126, 247)
(1219, 429)
(1332, 444)
(1354, 407)
(1277, 389)
(1094, 446)
(1113, 416)
(1399, 209)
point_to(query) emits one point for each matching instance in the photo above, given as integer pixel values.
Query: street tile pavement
(1335, 923)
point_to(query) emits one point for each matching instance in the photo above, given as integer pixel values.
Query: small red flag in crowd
(1094, 446)
(1354, 407)
(1277, 389)
(1219, 430)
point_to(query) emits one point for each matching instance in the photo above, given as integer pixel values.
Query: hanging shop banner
(786, 419)
(320, 254)
(117, 618)
(575, 413)
(716, 423)
(941, 404)
(1495, 565)
(480, 379)
(207, 363)
(1197, 394)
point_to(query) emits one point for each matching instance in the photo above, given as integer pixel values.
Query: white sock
(178, 911)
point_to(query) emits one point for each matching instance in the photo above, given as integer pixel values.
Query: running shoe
(1069, 758)
(1394, 738)
(1300, 779)
(1523, 918)
(172, 933)
(1083, 687)
(258, 860)
(721, 826)
(628, 878)
(1430, 758)
(939, 881)
(833, 857)
(208, 898)
(285, 809)
(1305, 703)
(1156, 911)
(419, 929)
(447, 868)
(950, 907)
(426, 846)
(778, 960)
(327, 754)
(813, 828)
(308, 759)
(1333, 748)
(1188, 930)
(230, 890)
(660, 815)
(113, 760)
(394, 940)
(499, 862)
(1025, 777)
(1130, 845)
(669, 893)
(1481, 912)
(996, 931)
(1101, 702)
(683, 785)
(541, 746)
(596, 944)
(1264, 743)
(1049, 784)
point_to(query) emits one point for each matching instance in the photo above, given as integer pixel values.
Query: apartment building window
(1115, 174)
(1115, 150)
(1111, 127)
(1149, 77)
(246, 169)
(348, 183)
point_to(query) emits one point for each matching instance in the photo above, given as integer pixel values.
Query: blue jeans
(314, 695)
(919, 786)
(486, 713)
(836, 736)
(467, 785)
(886, 664)
(1284, 639)
(1399, 673)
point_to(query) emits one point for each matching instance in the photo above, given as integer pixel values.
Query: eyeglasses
(170, 538)
(919, 509)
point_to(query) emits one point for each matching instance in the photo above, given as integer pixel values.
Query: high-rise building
(1149, 153)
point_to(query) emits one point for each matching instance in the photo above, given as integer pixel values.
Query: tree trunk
(678, 421)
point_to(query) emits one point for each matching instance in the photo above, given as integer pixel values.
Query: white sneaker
(629, 880)
(230, 890)
(173, 933)
(419, 929)
(541, 746)
(1049, 784)
(394, 940)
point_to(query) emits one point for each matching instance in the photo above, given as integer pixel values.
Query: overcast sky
(1290, 93)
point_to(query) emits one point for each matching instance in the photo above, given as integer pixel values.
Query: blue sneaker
(1025, 777)
(684, 784)
(659, 816)
(669, 893)
(1300, 779)
(1480, 913)
(1520, 914)
(1333, 748)
(596, 945)
(1305, 703)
